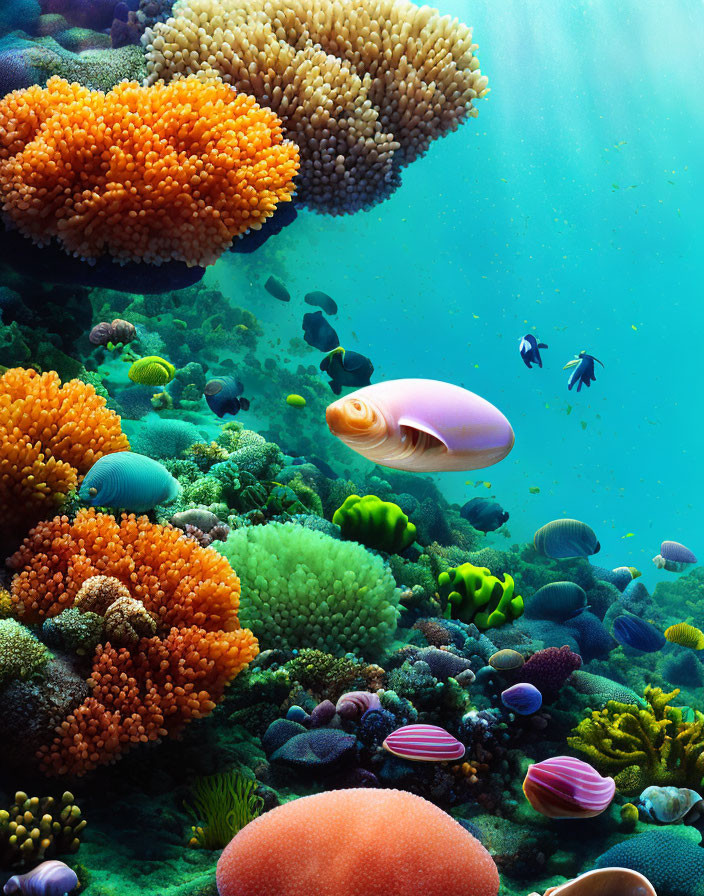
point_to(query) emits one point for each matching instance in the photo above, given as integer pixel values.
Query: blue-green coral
(301, 588)
(21, 654)
(473, 594)
(673, 861)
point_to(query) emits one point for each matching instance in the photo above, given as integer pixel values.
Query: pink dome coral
(356, 843)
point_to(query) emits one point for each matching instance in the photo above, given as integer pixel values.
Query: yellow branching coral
(643, 747)
(173, 172)
(362, 86)
(50, 436)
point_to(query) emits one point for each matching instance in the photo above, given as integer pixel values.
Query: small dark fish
(224, 396)
(318, 332)
(484, 515)
(276, 289)
(529, 347)
(321, 300)
(347, 369)
(583, 373)
(632, 631)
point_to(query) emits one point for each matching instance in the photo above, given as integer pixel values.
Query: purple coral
(548, 670)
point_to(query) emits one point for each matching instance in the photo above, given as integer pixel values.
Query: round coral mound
(50, 436)
(356, 843)
(158, 682)
(171, 172)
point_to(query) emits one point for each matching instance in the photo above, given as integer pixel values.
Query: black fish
(322, 300)
(318, 332)
(224, 396)
(347, 369)
(529, 347)
(583, 373)
(484, 515)
(276, 289)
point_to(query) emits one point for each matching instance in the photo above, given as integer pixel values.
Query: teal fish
(129, 481)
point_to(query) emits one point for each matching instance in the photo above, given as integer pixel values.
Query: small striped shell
(685, 635)
(563, 787)
(424, 743)
(52, 878)
(505, 660)
(605, 882)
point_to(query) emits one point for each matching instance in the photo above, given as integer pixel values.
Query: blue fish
(484, 515)
(529, 347)
(128, 481)
(224, 396)
(632, 631)
(583, 373)
(523, 698)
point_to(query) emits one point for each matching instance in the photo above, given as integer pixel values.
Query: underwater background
(569, 208)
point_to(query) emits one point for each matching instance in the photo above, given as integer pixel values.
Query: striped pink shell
(563, 787)
(424, 743)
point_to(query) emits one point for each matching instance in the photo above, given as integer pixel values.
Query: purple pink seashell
(52, 878)
(563, 787)
(424, 743)
(353, 705)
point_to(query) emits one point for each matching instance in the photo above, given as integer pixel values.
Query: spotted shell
(563, 787)
(605, 882)
(506, 660)
(668, 804)
(424, 743)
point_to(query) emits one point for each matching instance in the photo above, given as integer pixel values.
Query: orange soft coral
(145, 692)
(50, 436)
(144, 174)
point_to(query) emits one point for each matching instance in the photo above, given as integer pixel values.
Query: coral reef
(167, 135)
(51, 435)
(377, 524)
(304, 589)
(360, 97)
(36, 828)
(473, 594)
(644, 747)
(163, 680)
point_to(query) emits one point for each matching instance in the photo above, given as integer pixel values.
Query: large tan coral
(362, 86)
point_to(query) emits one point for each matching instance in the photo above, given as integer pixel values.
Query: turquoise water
(132, 693)
(570, 208)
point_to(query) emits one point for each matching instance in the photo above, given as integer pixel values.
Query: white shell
(605, 882)
(668, 804)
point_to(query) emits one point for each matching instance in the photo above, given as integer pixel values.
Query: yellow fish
(151, 371)
(533, 489)
(685, 635)
(296, 401)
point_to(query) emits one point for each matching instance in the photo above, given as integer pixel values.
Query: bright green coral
(301, 588)
(473, 594)
(21, 654)
(222, 806)
(643, 747)
(380, 525)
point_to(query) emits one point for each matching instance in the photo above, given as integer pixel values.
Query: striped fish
(424, 743)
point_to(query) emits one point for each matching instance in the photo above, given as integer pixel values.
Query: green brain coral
(21, 654)
(378, 524)
(301, 588)
(473, 594)
(643, 747)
